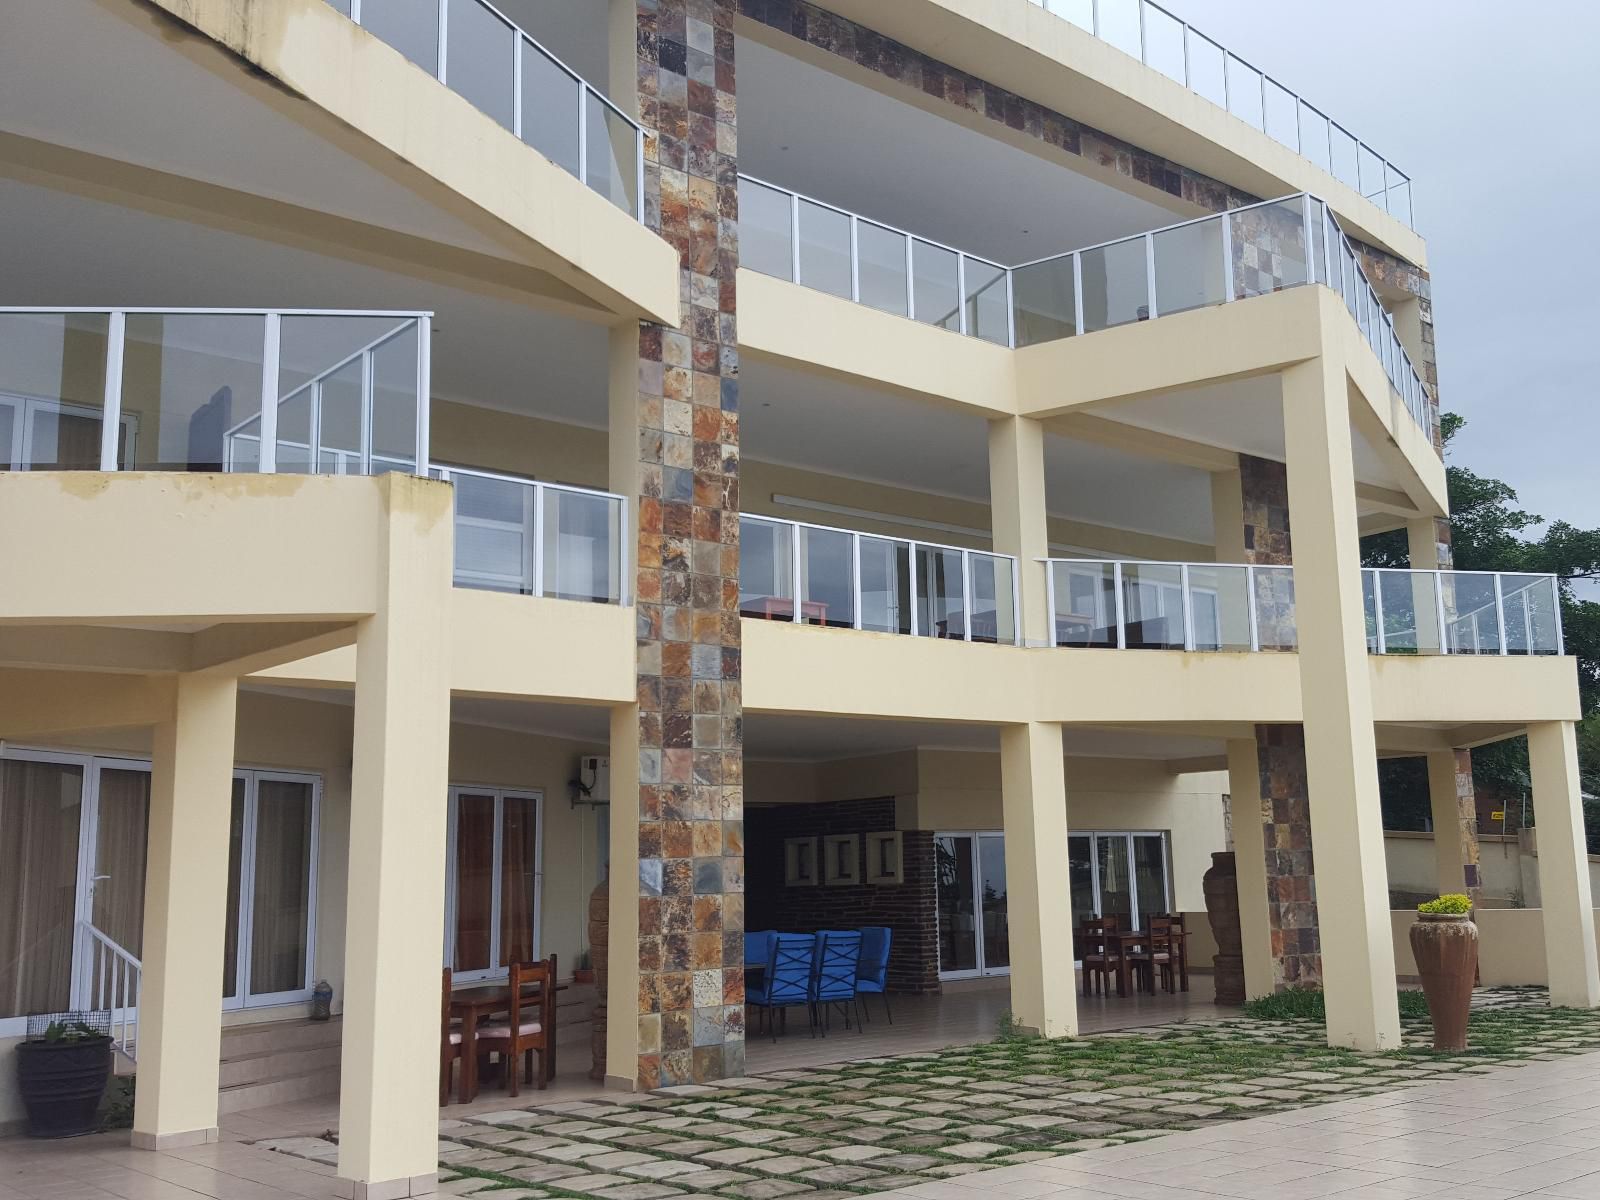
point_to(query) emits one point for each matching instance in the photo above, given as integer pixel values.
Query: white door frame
(981, 971)
(499, 795)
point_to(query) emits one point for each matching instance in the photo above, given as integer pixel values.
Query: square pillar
(394, 924)
(1455, 823)
(1227, 516)
(1341, 753)
(1033, 797)
(185, 907)
(1018, 516)
(1250, 823)
(1568, 906)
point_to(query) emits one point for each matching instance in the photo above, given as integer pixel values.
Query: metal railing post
(794, 577)
(1438, 592)
(794, 237)
(111, 414)
(1227, 259)
(1150, 271)
(855, 258)
(424, 393)
(961, 292)
(1050, 602)
(966, 595)
(1188, 607)
(516, 85)
(1077, 291)
(1017, 636)
(271, 349)
(911, 575)
(1119, 607)
(1011, 312)
(1500, 610)
(1144, 39)
(444, 41)
(583, 133)
(1094, 16)
(1188, 81)
(911, 277)
(368, 400)
(1377, 610)
(855, 570)
(537, 582)
(1250, 607)
(1311, 243)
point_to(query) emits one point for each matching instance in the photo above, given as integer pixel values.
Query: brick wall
(908, 908)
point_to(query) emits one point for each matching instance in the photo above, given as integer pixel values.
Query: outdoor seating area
(828, 971)
(499, 1026)
(1134, 957)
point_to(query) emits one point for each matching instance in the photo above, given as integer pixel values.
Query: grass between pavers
(980, 1106)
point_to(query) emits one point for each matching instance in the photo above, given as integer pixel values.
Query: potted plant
(61, 1076)
(584, 971)
(1444, 942)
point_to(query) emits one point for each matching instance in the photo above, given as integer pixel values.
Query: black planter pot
(62, 1084)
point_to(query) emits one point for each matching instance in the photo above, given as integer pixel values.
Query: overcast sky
(1493, 109)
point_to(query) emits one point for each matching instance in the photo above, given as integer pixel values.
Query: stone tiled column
(675, 447)
(1455, 822)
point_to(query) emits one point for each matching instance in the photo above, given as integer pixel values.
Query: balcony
(1251, 251)
(482, 55)
(1167, 44)
(842, 579)
(1228, 607)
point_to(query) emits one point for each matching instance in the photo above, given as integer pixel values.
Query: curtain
(124, 826)
(41, 805)
(518, 855)
(281, 900)
(474, 881)
(230, 945)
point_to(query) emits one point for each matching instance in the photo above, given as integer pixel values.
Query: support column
(1227, 515)
(1568, 906)
(1341, 752)
(389, 1073)
(1033, 795)
(675, 452)
(1250, 822)
(1017, 514)
(1455, 823)
(186, 901)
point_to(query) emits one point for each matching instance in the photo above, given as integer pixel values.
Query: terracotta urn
(1221, 886)
(1445, 946)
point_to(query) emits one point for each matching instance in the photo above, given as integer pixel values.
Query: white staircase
(112, 979)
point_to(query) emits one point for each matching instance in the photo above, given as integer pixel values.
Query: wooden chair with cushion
(449, 1043)
(529, 1027)
(1163, 951)
(1098, 955)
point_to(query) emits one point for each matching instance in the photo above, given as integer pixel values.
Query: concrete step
(275, 1064)
(242, 1041)
(279, 1089)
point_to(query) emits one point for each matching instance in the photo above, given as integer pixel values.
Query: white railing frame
(111, 981)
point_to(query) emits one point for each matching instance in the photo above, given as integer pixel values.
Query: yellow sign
(1498, 814)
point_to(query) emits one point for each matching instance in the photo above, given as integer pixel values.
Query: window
(272, 886)
(492, 881)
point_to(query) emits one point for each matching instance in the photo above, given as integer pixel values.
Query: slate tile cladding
(910, 908)
(691, 763)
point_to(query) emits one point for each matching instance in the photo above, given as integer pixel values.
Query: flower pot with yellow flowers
(1444, 942)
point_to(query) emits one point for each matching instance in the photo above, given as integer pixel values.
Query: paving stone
(643, 1139)
(687, 1147)
(662, 1168)
(917, 1141)
(859, 1176)
(638, 1191)
(974, 1149)
(704, 1180)
(768, 1189)
(855, 1153)
(1037, 1121)
(951, 1170)
(573, 1151)
(591, 1184)
(735, 1155)
(785, 1164)
(617, 1160)
(926, 1124)
(541, 1172)
(905, 1162)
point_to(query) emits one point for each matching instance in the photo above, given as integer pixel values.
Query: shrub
(1309, 1004)
(1453, 904)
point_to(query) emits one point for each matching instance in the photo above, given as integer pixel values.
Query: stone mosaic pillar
(691, 764)
(1281, 749)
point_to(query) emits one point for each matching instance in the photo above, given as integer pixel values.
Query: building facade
(783, 462)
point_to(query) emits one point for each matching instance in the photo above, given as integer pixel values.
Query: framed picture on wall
(884, 858)
(841, 857)
(800, 862)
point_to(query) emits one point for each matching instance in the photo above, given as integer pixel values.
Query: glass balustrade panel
(988, 308)
(1152, 606)
(189, 382)
(994, 612)
(936, 285)
(881, 268)
(825, 249)
(494, 533)
(885, 585)
(1219, 603)
(481, 59)
(551, 96)
(1079, 12)
(1244, 92)
(1471, 615)
(582, 532)
(827, 577)
(1281, 114)
(410, 26)
(1410, 607)
(1044, 298)
(1531, 614)
(613, 158)
(1085, 603)
(1163, 43)
(394, 403)
(766, 569)
(941, 600)
(1116, 285)
(52, 392)
(1270, 253)
(1190, 267)
(1275, 627)
(1208, 64)
(766, 233)
(1119, 24)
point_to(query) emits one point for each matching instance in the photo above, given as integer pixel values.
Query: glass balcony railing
(1251, 251)
(815, 575)
(481, 54)
(1223, 606)
(305, 392)
(1181, 52)
(538, 539)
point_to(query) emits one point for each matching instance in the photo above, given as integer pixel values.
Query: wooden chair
(530, 1025)
(1098, 955)
(449, 1043)
(1163, 951)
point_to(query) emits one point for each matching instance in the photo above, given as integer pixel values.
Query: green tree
(1490, 532)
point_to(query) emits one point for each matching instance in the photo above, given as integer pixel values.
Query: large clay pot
(1445, 946)
(599, 941)
(1221, 886)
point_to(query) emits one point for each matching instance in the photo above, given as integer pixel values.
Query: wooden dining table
(473, 1004)
(1139, 940)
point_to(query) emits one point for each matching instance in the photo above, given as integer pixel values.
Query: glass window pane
(1045, 298)
(52, 390)
(1190, 265)
(885, 585)
(766, 569)
(1269, 248)
(1471, 617)
(987, 304)
(1152, 606)
(996, 925)
(937, 285)
(1080, 876)
(519, 878)
(494, 533)
(1219, 601)
(281, 896)
(958, 937)
(550, 99)
(40, 807)
(410, 26)
(230, 931)
(824, 249)
(581, 536)
(993, 599)
(1116, 888)
(1275, 608)
(765, 230)
(475, 870)
(1085, 603)
(826, 579)
(1116, 289)
(1150, 873)
(122, 825)
(482, 59)
(188, 382)
(881, 254)
(613, 160)
(940, 600)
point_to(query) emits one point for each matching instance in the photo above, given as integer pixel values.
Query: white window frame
(500, 795)
(243, 997)
(25, 410)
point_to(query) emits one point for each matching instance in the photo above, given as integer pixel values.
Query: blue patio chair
(833, 976)
(872, 975)
(787, 981)
(758, 947)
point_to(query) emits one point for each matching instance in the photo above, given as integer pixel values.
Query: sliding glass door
(493, 881)
(1122, 875)
(272, 888)
(974, 927)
